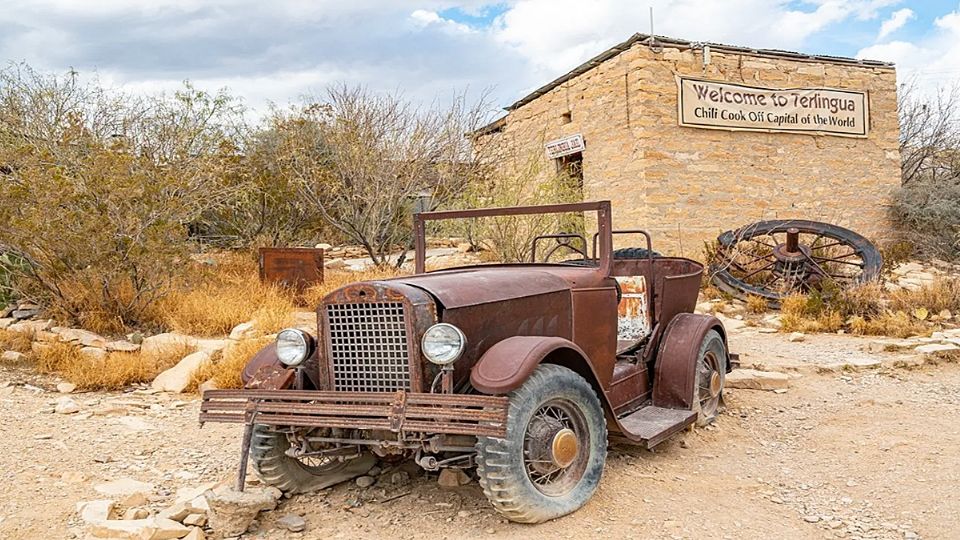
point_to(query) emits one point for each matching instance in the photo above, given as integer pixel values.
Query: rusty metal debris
(776, 258)
(295, 268)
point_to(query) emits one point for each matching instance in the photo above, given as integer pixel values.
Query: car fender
(677, 359)
(508, 363)
(266, 356)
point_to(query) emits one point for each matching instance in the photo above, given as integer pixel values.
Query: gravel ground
(869, 454)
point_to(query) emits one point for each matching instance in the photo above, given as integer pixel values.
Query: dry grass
(224, 368)
(213, 304)
(113, 372)
(756, 304)
(870, 310)
(14, 341)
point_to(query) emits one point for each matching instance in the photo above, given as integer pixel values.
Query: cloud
(932, 61)
(895, 22)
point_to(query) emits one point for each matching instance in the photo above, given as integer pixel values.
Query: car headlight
(293, 346)
(443, 343)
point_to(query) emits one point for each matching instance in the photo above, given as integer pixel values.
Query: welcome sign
(730, 106)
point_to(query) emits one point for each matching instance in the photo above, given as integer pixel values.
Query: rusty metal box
(296, 268)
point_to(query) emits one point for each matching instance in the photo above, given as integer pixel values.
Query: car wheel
(274, 467)
(710, 377)
(551, 460)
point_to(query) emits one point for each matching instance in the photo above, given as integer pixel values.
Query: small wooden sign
(565, 146)
(296, 268)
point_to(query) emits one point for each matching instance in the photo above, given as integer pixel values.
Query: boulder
(21, 314)
(796, 337)
(31, 327)
(752, 379)
(232, 511)
(211, 345)
(6, 322)
(82, 337)
(292, 523)
(177, 378)
(163, 343)
(93, 353)
(122, 345)
(323, 246)
(11, 356)
(451, 478)
(208, 385)
(92, 511)
(936, 347)
(66, 388)
(195, 520)
(247, 330)
(138, 529)
(195, 534)
(136, 513)
(124, 487)
(66, 405)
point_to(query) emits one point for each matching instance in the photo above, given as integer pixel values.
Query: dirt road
(870, 454)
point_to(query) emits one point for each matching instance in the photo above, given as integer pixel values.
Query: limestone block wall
(686, 185)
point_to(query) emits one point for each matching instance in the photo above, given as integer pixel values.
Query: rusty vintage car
(523, 371)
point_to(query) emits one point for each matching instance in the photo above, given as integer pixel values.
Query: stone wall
(686, 185)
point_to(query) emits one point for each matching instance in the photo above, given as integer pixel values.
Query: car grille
(368, 347)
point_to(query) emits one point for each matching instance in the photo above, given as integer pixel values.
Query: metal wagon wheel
(776, 258)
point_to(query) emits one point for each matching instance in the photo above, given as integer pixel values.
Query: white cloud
(895, 22)
(424, 18)
(932, 61)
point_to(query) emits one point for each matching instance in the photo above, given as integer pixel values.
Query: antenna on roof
(652, 38)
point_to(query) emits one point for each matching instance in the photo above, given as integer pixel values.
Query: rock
(135, 499)
(22, 314)
(136, 513)
(73, 477)
(796, 337)
(400, 477)
(232, 511)
(905, 268)
(366, 481)
(66, 405)
(936, 347)
(133, 423)
(92, 511)
(31, 327)
(195, 520)
(66, 388)
(195, 534)
(208, 385)
(82, 337)
(139, 529)
(12, 356)
(163, 343)
(323, 246)
(6, 322)
(46, 337)
(334, 263)
(93, 353)
(752, 379)
(451, 478)
(177, 378)
(247, 330)
(732, 325)
(211, 345)
(6, 311)
(464, 247)
(124, 487)
(292, 523)
(122, 346)
(811, 519)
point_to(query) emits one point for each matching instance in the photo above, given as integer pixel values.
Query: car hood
(474, 286)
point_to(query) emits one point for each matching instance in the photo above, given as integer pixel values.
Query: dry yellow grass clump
(219, 297)
(870, 310)
(756, 304)
(225, 367)
(14, 341)
(113, 372)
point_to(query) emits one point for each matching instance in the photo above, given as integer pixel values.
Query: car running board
(653, 425)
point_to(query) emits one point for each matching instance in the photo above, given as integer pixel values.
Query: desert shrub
(98, 188)
(14, 341)
(217, 298)
(756, 304)
(928, 211)
(114, 372)
(942, 294)
(224, 368)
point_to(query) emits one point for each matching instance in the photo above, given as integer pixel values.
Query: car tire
(553, 403)
(290, 475)
(711, 371)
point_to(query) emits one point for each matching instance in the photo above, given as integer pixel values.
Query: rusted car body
(550, 358)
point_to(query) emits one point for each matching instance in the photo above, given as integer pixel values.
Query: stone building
(689, 139)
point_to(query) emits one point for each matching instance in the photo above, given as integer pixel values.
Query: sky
(277, 51)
